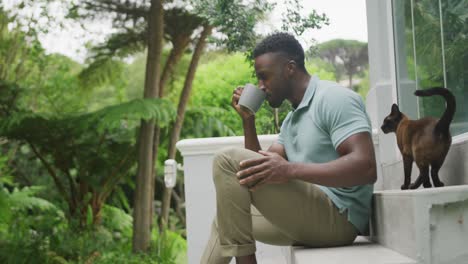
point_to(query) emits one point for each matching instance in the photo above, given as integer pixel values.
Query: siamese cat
(425, 141)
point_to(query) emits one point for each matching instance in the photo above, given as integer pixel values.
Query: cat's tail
(442, 127)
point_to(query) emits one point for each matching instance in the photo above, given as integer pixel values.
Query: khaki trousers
(294, 213)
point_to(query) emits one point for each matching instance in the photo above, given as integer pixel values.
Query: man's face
(270, 71)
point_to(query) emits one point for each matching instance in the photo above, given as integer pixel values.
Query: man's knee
(228, 156)
(225, 157)
(226, 161)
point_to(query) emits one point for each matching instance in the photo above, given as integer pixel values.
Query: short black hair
(284, 43)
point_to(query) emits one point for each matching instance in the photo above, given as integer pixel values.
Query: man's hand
(245, 114)
(271, 168)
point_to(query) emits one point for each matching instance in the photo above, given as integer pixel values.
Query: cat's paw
(439, 184)
(404, 187)
(415, 185)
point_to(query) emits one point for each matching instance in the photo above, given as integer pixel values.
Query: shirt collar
(309, 93)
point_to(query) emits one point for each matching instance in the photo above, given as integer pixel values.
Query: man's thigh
(299, 211)
(265, 232)
(304, 213)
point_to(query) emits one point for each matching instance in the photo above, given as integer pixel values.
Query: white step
(361, 252)
(428, 225)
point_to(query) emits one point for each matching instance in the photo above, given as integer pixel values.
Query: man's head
(279, 59)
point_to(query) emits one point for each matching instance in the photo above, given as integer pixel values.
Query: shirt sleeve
(343, 114)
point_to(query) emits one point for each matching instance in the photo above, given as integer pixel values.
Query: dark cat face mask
(391, 122)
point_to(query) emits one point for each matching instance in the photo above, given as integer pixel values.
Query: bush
(33, 230)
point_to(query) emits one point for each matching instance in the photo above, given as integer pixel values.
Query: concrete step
(428, 225)
(362, 251)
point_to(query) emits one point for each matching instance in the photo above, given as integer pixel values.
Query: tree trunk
(177, 126)
(175, 55)
(172, 60)
(143, 197)
(350, 78)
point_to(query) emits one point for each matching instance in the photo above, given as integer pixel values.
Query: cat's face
(391, 122)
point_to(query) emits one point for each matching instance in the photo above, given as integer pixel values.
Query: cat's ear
(395, 109)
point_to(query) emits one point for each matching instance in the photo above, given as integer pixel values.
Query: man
(312, 187)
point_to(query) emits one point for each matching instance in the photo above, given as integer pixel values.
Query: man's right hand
(244, 113)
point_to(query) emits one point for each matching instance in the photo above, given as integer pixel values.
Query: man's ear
(291, 67)
(395, 109)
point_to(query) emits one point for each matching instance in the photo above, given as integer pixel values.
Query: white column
(382, 72)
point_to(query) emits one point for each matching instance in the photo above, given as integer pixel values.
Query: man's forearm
(250, 134)
(347, 171)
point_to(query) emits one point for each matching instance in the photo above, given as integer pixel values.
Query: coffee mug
(252, 98)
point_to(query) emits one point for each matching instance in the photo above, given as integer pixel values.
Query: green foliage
(213, 86)
(234, 19)
(116, 220)
(32, 126)
(348, 57)
(102, 72)
(111, 117)
(293, 20)
(87, 155)
(363, 87)
(136, 76)
(5, 172)
(322, 69)
(57, 91)
(25, 199)
(199, 124)
(441, 54)
(40, 234)
(28, 217)
(18, 60)
(48, 82)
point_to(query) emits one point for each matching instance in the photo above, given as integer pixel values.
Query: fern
(101, 72)
(28, 125)
(26, 198)
(5, 210)
(206, 122)
(95, 149)
(116, 219)
(115, 116)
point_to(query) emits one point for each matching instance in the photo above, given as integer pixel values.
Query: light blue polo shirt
(327, 115)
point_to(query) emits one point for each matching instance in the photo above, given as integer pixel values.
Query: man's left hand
(271, 168)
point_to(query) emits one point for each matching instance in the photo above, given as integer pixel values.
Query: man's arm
(279, 149)
(250, 134)
(355, 166)
(248, 122)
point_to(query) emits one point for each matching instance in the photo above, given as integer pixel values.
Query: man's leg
(263, 231)
(212, 252)
(298, 209)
